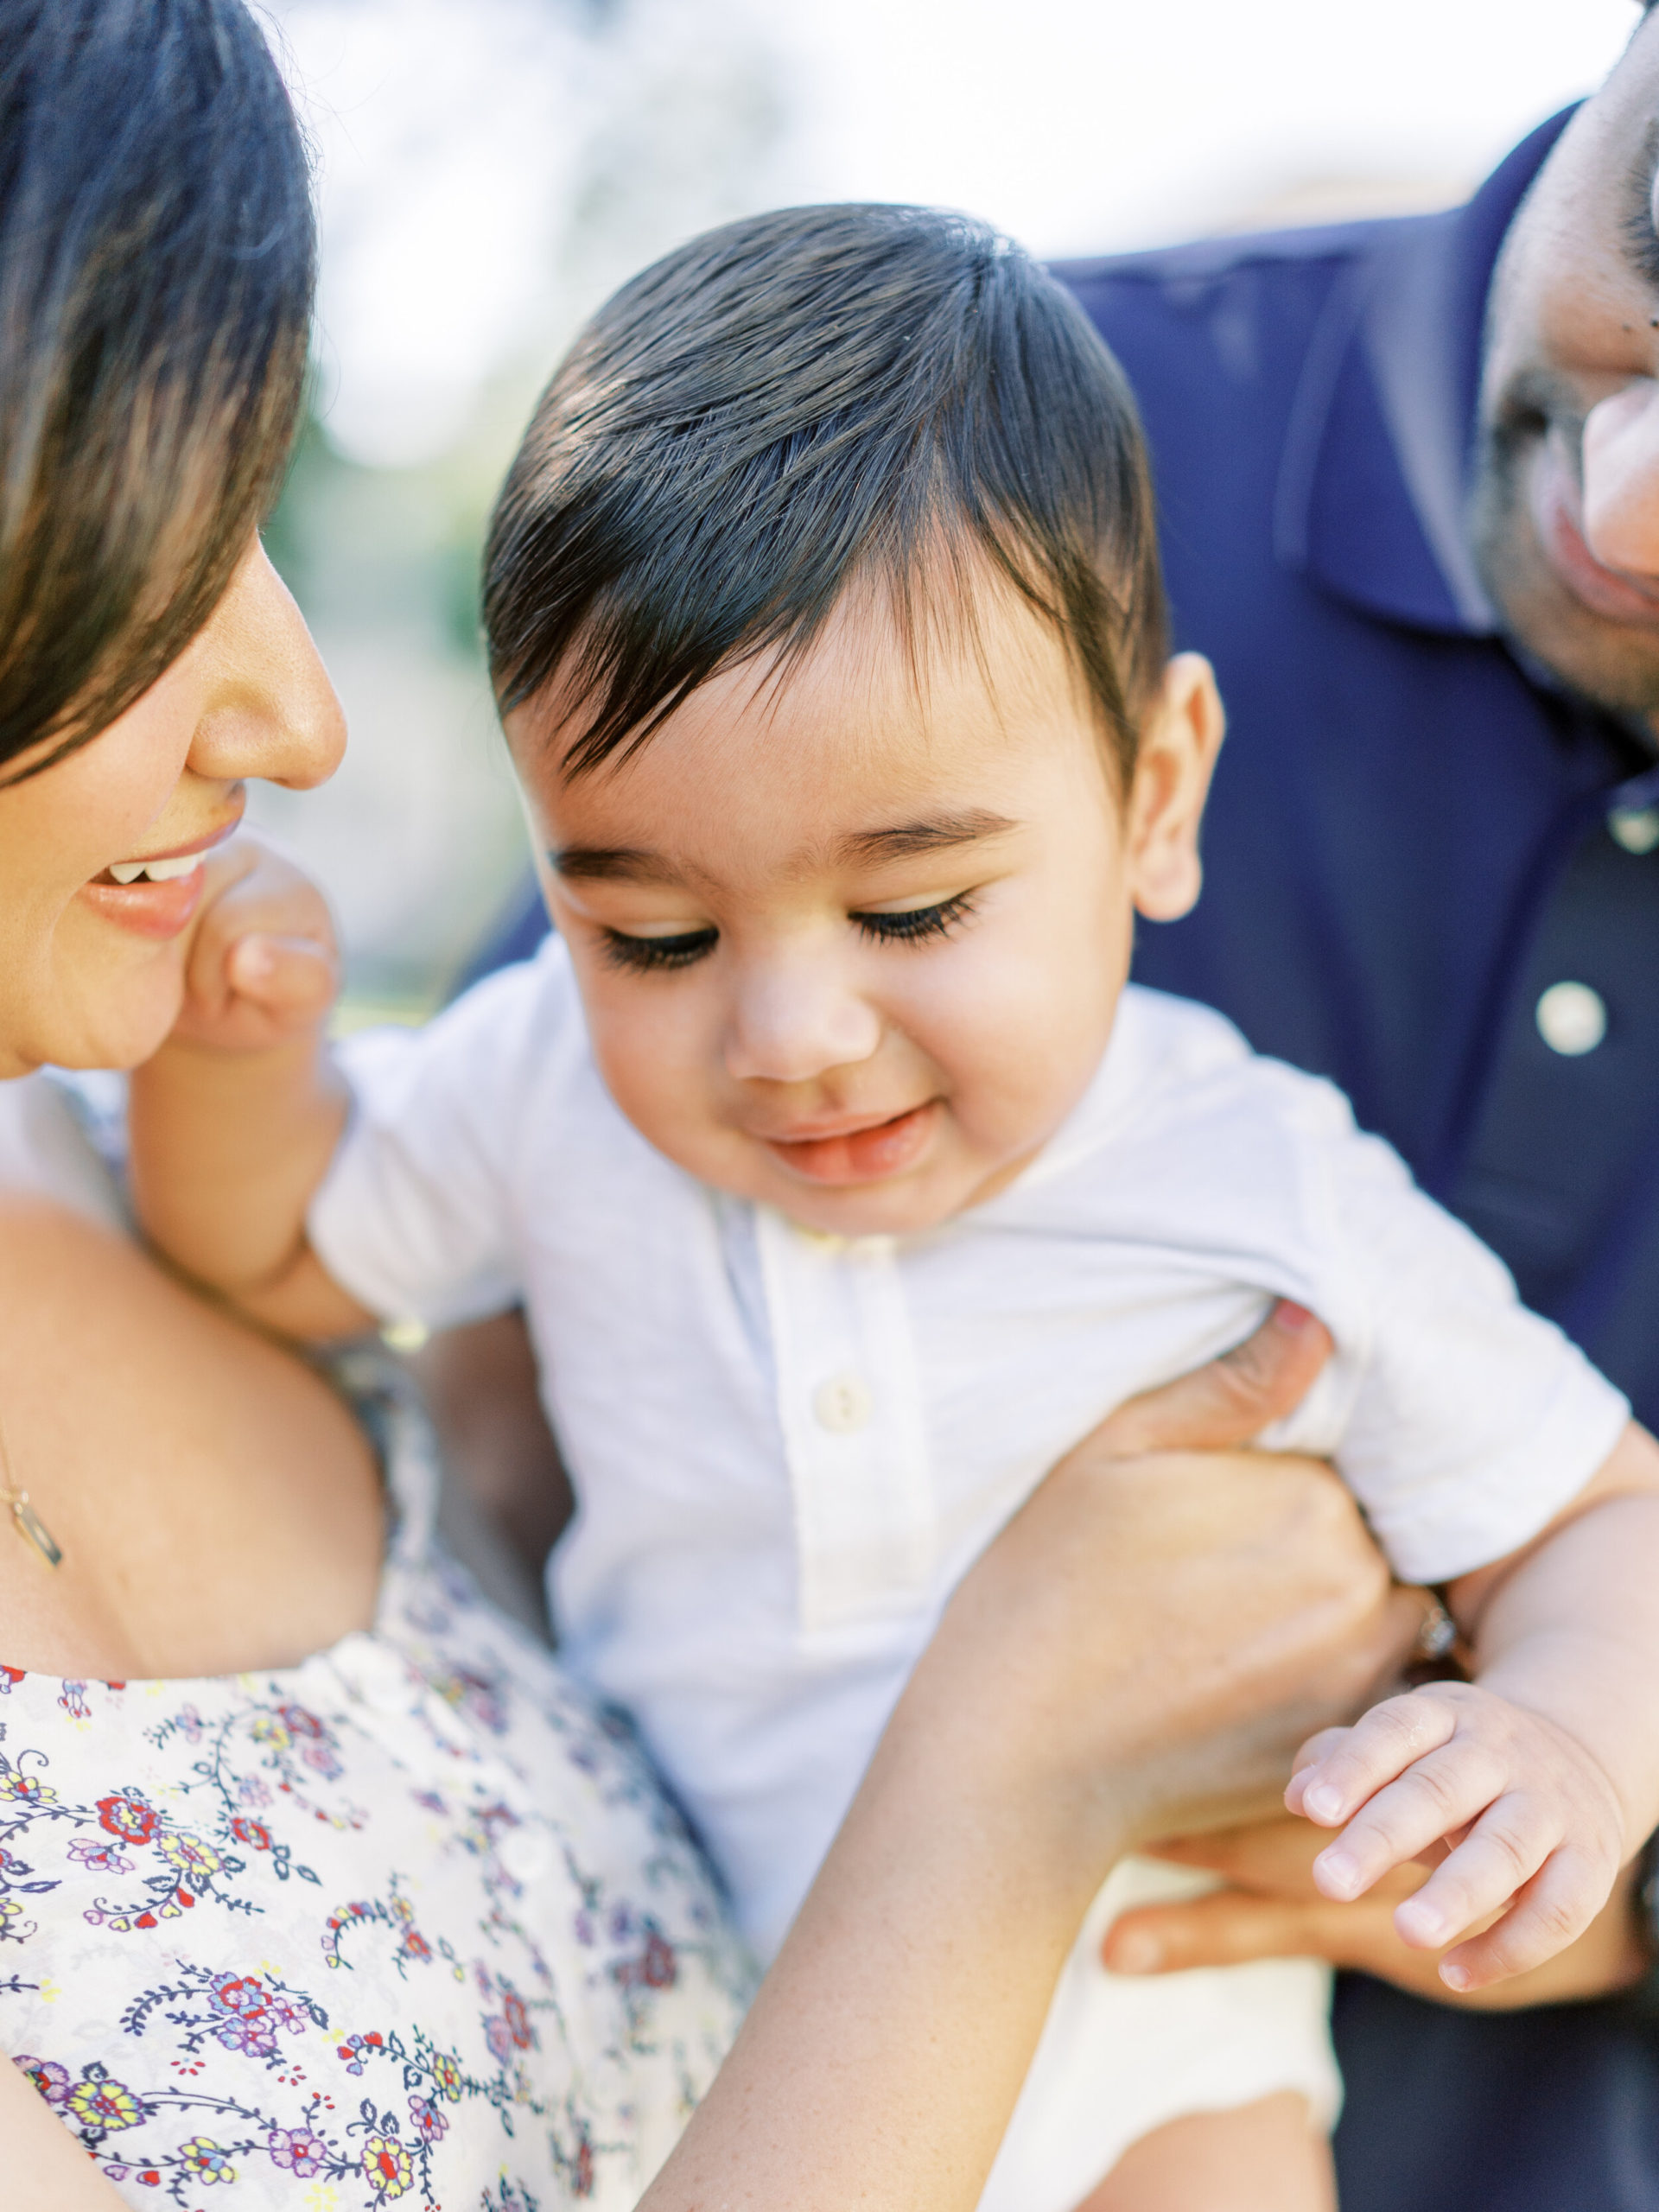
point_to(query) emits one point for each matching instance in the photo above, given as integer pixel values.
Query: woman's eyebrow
(937, 834)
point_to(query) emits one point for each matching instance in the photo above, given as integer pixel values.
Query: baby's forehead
(905, 688)
(756, 784)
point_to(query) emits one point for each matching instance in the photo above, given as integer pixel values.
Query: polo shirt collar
(1373, 483)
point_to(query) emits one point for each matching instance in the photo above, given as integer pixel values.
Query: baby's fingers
(1307, 1762)
(1549, 1913)
(291, 978)
(1350, 1764)
(1435, 1798)
(259, 990)
(1498, 1857)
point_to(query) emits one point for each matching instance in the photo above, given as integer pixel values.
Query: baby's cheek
(659, 1080)
(1019, 1052)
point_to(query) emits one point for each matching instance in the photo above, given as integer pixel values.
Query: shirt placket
(850, 1404)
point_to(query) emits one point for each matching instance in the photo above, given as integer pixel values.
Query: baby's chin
(906, 1204)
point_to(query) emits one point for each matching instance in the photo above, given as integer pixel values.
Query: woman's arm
(39, 2159)
(1141, 1649)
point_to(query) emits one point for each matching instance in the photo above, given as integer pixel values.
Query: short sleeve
(418, 1216)
(1473, 1421)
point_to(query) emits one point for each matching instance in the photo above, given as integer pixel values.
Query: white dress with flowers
(410, 1923)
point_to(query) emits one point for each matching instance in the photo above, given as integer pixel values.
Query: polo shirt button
(1635, 828)
(1571, 1019)
(842, 1404)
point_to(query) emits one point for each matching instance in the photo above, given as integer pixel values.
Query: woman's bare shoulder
(217, 1504)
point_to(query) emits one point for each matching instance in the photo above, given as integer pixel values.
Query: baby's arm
(235, 1120)
(1540, 1778)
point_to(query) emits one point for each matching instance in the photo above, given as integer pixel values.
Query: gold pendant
(30, 1524)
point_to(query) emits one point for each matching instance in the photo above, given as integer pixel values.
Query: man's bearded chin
(1613, 665)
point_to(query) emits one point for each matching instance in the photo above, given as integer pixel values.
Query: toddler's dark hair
(796, 402)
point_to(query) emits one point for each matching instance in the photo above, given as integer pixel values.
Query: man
(1408, 474)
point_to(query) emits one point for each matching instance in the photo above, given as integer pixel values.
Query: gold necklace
(27, 1522)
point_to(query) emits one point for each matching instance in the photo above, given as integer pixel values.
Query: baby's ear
(1180, 741)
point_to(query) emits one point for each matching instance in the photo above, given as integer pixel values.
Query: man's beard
(1613, 665)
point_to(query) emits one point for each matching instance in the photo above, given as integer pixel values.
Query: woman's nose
(268, 707)
(1621, 479)
(795, 1020)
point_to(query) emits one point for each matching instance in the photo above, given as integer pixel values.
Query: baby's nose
(792, 1027)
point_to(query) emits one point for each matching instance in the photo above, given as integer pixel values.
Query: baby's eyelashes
(642, 955)
(912, 924)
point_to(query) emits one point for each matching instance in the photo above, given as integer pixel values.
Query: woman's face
(91, 950)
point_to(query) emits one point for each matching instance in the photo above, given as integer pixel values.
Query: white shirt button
(1635, 828)
(1571, 1019)
(842, 1404)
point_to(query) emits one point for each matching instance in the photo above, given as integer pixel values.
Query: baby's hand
(1526, 1825)
(263, 969)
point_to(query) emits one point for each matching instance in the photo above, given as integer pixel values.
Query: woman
(317, 1874)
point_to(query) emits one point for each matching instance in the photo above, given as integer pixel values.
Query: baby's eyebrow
(905, 839)
(610, 864)
(637, 864)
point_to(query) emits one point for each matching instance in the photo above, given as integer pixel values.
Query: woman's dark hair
(797, 401)
(156, 266)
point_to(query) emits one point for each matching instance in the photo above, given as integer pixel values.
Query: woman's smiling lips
(859, 1151)
(159, 906)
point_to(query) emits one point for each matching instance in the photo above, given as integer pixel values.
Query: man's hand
(264, 966)
(1272, 1907)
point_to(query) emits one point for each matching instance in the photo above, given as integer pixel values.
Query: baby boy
(847, 1181)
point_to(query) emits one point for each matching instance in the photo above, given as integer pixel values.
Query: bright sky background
(451, 132)
(1084, 125)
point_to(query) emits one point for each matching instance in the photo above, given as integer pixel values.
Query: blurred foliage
(670, 110)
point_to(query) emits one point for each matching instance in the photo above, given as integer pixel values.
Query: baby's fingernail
(1422, 1923)
(1454, 1977)
(1338, 1872)
(1323, 1802)
(1292, 1318)
(1137, 1952)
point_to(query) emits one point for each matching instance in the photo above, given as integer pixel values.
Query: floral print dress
(410, 1923)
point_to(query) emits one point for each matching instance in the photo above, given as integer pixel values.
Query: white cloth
(53, 1140)
(787, 1447)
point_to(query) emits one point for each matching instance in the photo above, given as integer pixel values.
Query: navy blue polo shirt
(1413, 836)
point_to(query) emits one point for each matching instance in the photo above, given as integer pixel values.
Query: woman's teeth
(157, 870)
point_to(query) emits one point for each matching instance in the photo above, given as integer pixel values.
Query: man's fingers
(1227, 1929)
(1231, 1400)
